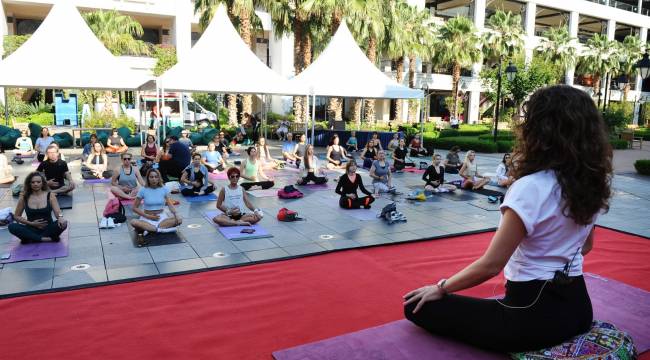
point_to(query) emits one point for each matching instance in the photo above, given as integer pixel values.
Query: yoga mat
(319, 187)
(219, 176)
(97, 181)
(37, 251)
(359, 214)
(414, 170)
(627, 307)
(457, 195)
(263, 193)
(36, 163)
(485, 205)
(124, 202)
(234, 232)
(65, 201)
(201, 198)
(158, 239)
(488, 192)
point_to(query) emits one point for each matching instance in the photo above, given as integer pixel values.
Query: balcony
(629, 5)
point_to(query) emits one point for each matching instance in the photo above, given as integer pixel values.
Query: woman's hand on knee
(422, 295)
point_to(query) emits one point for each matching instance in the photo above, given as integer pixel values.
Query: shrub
(618, 144)
(615, 118)
(642, 166)
(504, 146)
(502, 135)
(464, 142)
(643, 132)
(99, 120)
(470, 130)
(43, 119)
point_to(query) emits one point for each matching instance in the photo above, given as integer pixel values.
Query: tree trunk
(596, 84)
(245, 30)
(335, 104)
(369, 110)
(297, 67)
(454, 88)
(232, 109)
(626, 91)
(356, 113)
(305, 53)
(399, 77)
(108, 103)
(413, 108)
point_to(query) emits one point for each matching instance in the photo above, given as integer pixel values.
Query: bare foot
(243, 223)
(46, 238)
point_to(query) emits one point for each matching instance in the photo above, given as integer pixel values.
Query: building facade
(173, 22)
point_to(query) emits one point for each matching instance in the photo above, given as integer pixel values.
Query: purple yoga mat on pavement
(263, 193)
(627, 307)
(35, 163)
(202, 198)
(318, 187)
(234, 232)
(97, 181)
(38, 251)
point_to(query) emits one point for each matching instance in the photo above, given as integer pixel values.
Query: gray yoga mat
(65, 201)
(627, 307)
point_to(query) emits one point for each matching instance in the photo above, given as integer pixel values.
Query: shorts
(156, 223)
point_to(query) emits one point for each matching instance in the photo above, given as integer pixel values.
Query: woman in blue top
(153, 197)
(194, 180)
(42, 143)
(88, 148)
(212, 159)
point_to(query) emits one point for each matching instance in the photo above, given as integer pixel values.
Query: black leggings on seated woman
(356, 203)
(313, 178)
(264, 184)
(560, 313)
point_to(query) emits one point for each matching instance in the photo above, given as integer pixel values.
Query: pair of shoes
(106, 223)
(140, 240)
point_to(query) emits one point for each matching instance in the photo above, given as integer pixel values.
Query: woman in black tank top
(336, 154)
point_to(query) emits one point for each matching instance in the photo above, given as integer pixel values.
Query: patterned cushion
(604, 342)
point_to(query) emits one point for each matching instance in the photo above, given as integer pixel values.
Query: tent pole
(138, 105)
(155, 125)
(264, 119)
(162, 105)
(6, 106)
(218, 97)
(313, 118)
(306, 124)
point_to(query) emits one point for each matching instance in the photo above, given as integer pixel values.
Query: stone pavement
(111, 255)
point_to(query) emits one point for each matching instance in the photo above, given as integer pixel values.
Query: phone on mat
(247, 231)
(5, 256)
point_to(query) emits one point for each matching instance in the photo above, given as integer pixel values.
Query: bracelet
(441, 286)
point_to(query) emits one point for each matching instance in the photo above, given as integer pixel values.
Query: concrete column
(611, 29)
(479, 14)
(574, 19)
(640, 6)
(474, 107)
(531, 9)
(182, 28)
(643, 36)
(4, 30)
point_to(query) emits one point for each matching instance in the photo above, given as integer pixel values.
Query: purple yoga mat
(218, 176)
(38, 251)
(97, 181)
(234, 232)
(318, 187)
(627, 307)
(35, 163)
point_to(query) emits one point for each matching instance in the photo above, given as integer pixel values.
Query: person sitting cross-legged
(212, 159)
(24, 146)
(153, 197)
(251, 170)
(38, 203)
(381, 175)
(178, 158)
(194, 180)
(469, 172)
(59, 179)
(434, 176)
(115, 144)
(288, 147)
(310, 167)
(126, 179)
(416, 148)
(233, 202)
(347, 187)
(96, 163)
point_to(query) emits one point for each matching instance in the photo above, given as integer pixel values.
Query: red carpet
(248, 312)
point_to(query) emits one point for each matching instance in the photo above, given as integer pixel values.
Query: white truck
(180, 108)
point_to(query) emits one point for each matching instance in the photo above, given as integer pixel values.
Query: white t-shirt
(552, 239)
(502, 174)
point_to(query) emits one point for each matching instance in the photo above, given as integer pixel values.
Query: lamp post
(511, 72)
(643, 67)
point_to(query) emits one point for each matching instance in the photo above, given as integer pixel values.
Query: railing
(622, 5)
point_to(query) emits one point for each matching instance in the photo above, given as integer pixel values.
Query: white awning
(65, 54)
(220, 62)
(343, 70)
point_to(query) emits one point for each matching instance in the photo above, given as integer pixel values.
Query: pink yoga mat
(218, 176)
(627, 307)
(414, 170)
(38, 251)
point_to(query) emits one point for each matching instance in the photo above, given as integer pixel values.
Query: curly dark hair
(563, 131)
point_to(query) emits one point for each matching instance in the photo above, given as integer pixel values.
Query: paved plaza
(110, 255)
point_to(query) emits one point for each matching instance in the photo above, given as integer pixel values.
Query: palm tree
(631, 52)
(599, 58)
(118, 34)
(458, 46)
(504, 37)
(558, 48)
(241, 12)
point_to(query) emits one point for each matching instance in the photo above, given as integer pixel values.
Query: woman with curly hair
(563, 168)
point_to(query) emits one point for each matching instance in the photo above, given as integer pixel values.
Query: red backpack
(289, 192)
(287, 215)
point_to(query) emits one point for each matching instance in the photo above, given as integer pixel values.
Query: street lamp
(643, 66)
(511, 72)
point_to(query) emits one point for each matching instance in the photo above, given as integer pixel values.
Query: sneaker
(140, 240)
(110, 223)
(103, 223)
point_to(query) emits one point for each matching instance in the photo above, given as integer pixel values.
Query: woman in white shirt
(563, 167)
(503, 178)
(469, 172)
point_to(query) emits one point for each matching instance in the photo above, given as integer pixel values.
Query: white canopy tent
(65, 54)
(220, 62)
(343, 70)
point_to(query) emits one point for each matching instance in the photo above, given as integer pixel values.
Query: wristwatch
(441, 286)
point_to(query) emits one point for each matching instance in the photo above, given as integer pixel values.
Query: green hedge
(504, 146)
(470, 131)
(642, 132)
(618, 144)
(506, 136)
(642, 166)
(464, 142)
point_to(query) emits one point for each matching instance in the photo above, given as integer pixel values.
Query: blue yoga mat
(202, 198)
(234, 232)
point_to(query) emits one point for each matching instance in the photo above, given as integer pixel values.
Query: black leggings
(311, 177)
(212, 168)
(562, 312)
(195, 191)
(422, 152)
(401, 165)
(264, 184)
(347, 203)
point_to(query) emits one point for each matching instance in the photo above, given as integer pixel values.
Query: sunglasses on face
(126, 159)
(235, 176)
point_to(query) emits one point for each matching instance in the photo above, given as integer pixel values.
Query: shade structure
(343, 70)
(220, 62)
(65, 54)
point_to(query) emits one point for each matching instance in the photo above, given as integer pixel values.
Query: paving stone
(266, 254)
(304, 249)
(230, 259)
(169, 267)
(130, 272)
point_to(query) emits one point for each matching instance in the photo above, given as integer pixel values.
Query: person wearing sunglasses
(233, 202)
(126, 179)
